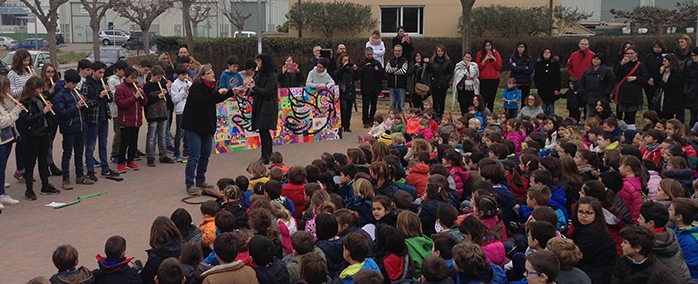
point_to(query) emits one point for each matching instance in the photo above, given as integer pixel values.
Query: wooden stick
(105, 87)
(17, 102)
(137, 91)
(52, 83)
(161, 89)
(81, 97)
(30, 70)
(46, 103)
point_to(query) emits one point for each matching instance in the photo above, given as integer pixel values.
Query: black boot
(49, 189)
(265, 158)
(30, 195)
(54, 170)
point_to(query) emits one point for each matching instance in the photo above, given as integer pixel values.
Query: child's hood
(575, 83)
(420, 168)
(82, 275)
(609, 218)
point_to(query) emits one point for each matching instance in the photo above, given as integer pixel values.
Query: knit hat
(386, 139)
(261, 250)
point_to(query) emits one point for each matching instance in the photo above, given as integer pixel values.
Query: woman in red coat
(490, 63)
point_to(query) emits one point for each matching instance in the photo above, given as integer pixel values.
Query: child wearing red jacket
(129, 99)
(295, 189)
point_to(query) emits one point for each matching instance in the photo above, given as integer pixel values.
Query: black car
(135, 41)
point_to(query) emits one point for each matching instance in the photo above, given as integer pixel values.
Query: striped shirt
(17, 82)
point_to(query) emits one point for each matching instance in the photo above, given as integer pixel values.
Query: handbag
(421, 89)
(656, 102)
(615, 99)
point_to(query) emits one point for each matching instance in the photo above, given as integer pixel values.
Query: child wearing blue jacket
(230, 78)
(511, 98)
(363, 194)
(683, 211)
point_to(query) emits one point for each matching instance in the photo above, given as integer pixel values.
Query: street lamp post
(259, 23)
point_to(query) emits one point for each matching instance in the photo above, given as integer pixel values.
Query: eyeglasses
(585, 213)
(531, 99)
(526, 272)
(209, 72)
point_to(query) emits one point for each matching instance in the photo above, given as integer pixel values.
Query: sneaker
(92, 176)
(366, 125)
(49, 190)
(204, 185)
(194, 191)
(6, 199)
(67, 185)
(110, 173)
(166, 160)
(7, 185)
(19, 176)
(151, 162)
(30, 195)
(137, 157)
(347, 130)
(177, 159)
(139, 153)
(132, 166)
(114, 159)
(170, 149)
(121, 168)
(84, 180)
(54, 170)
(1, 207)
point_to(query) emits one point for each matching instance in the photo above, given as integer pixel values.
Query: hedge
(216, 50)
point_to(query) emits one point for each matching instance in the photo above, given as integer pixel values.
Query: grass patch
(70, 57)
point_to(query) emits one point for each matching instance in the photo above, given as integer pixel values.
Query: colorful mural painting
(305, 115)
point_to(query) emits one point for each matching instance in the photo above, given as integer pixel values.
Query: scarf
(376, 41)
(652, 147)
(210, 85)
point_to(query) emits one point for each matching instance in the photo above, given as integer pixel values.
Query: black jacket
(156, 256)
(156, 108)
(407, 47)
(116, 271)
(238, 211)
(547, 78)
(32, 123)
(397, 72)
(99, 107)
(290, 79)
(371, 79)
(265, 104)
(200, 111)
(599, 251)
(334, 255)
(276, 273)
(575, 99)
(650, 271)
(344, 77)
(443, 72)
(597, 84)
(690, 85)
(653, 61)
(631, 92)
(673, 91)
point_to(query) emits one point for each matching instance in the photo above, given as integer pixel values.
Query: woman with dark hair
(443, 71)
(344, 76)
(182, 219)
(479, 103)
(199, 124)
(669, 83)
(405, 41)
(265, 107)
(521, 66)
(690, 85)
(18, 75)
(50, 75)
(621, 52)
(490, 63)
(421, 72)
(290, 75)
(653, 61)
(596, 83)
(601, 110)
(631, 75)
(548, 79)
(465, 82)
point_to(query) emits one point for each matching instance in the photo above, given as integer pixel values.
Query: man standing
(370, 74)
(396, 68)
(182, 52)
(341, 48)
(580, 60)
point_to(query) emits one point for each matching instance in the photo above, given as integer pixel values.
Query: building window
(411, 18)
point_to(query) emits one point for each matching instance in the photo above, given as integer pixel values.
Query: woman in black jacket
(421, 72)
(344, 76)
(653, 61)
(596, 83)
(443, 71)
(290, 75)
(690, 85)
(631, 75)
(669, 82)
(548, 79)
(199, 124)
(405, 41)
(33, 126)
(265, 104)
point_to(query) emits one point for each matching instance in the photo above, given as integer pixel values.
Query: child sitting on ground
(277, 160)
(447, 124)
(227, 246)
(209, 209)
(376, 130)
(356, 249)
(65, 258)
(114, 267)
(303, 243)
(639, 265)
(683, 211)
(425, 129)
(269, 269)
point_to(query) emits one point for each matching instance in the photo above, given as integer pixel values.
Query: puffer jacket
(427, 214)
(156, 256)
(418, 177)
(32, 123)
(518, 139)
(683, 176)
(130, 112)
(523, 69)
(443, 72)
(631, 194)
(495, 252)
(295, 192)
(460, 177)
(334, 255)
(494, 275)
(275, 273)
(597, 84)
(599, 253)
(70, 117)
(575, 98)
(652, 185)
(667, 250)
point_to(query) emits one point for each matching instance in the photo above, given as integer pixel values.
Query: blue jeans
(548, 109)
(73, 142)
(5, 150)
(199, 151)
(100, 130)
(397, 99)
(156, 128)
(179, 136)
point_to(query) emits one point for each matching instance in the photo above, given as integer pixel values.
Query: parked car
(245, 34)
(4, 68)
(137, 43)
(31, 43)
(6, 42)
(59, 39)
(139, 34)
(109, 37)
(39, 57)
(110, 55)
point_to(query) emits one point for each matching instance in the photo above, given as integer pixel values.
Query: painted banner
(305, 115)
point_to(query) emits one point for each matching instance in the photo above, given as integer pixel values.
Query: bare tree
(49, 18)
(467, 23)
(97, 9)
(143, 13)
(236, 18)
(199, 16)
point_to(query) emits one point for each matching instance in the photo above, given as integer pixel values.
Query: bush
(216, 50)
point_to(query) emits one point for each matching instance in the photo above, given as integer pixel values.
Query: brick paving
(29, 232)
